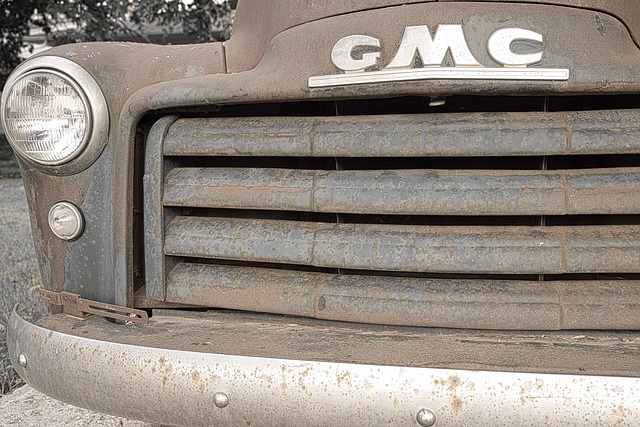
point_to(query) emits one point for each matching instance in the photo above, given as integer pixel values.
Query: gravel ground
(20, 277)
(28, 407)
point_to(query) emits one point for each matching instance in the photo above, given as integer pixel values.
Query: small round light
(66, 221)
(47, 118)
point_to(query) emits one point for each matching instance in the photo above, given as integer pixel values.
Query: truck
(403, 212)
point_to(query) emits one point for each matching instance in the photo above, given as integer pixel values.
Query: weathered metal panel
(473, 134)
(460, 134)
(244, 188)
(255, 28)
(257, 240)
(478, 192)
(417, 192)
(440, 249)
(612, 249)
(255, 136)
(448, 249)
(606, 191)
(244, 288)
(459, 303)
(604, 132)
(439, 192)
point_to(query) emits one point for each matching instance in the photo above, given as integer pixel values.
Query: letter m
(417, 40)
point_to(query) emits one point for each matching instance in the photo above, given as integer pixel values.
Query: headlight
(47, 117)
(53, 112)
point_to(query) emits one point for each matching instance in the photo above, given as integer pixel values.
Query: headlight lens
(47, 117)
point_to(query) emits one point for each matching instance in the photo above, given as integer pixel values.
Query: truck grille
(467, 220)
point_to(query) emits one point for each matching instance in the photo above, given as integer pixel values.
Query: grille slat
(479, 304)
(442, 249)
(408, 192)
(472, 134)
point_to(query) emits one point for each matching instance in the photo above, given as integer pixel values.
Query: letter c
(499, 47)
(342, 53)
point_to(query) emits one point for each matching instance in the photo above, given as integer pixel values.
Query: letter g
(342, 53)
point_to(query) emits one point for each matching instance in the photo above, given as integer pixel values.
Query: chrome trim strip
(440, 73)
(202, 389)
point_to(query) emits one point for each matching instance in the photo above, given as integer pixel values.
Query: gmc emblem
(419, 47)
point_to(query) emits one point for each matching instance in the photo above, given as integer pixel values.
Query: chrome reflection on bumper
(203, 389)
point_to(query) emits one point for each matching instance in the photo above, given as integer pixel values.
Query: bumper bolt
(221, 400)
(22, 360)
(426, 418)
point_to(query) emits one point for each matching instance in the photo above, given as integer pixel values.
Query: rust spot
(456, 403)
(195, 375)
(620, 411)
(344, 377)
(453, 382)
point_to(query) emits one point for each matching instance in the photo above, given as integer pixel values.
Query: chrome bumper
(194, 388)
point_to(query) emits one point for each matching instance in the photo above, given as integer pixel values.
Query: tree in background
(15, 20)
(102, 20)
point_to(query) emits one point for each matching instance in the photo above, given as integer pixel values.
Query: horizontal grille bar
(479, 304)
(417, 192)
(471, 134)
(446, 249)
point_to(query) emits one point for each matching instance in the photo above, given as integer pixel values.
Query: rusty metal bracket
(76, 306)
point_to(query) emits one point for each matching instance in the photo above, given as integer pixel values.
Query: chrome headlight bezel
(95, 137)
